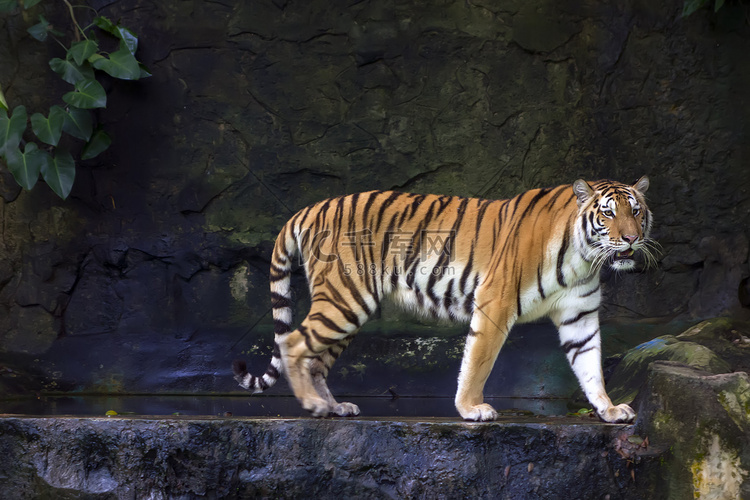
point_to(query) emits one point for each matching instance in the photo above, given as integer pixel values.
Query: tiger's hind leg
(320, 368)
(309, 351)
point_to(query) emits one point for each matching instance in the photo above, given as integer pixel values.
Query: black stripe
(541, 194)
(339, 303)
(420, 297)
(570, 321)
(430, 285)
(580, 351)
(567, 346)
(272, 372)
(483, 206)
(327, 322)
(383, 206)
(354, 292)
(278, 301)
(281, 327)
(561, 258)
(552, 199)
(517, 201)
(352, 210)
(322, 339)
(277, 273)
(466, 272)
(448, 297)
(469, 303)
(394, 275)
(539, 282)
(304, 215)
(518, 294)
(303, 331)
(368, 204)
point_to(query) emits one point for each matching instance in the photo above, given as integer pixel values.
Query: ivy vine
(43, 150)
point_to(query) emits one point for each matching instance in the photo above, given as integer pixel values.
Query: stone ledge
(211, 457)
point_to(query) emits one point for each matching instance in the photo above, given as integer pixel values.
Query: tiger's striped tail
(281, 302)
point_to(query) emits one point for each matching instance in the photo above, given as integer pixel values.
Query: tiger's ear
(583, 191)
(641, 185)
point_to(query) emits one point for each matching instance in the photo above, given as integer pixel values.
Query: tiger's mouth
(624, 255)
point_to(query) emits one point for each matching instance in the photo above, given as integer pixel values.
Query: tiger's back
(490, 262)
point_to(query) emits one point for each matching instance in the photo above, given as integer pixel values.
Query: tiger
(491, 263)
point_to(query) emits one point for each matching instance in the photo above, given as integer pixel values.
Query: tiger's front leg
(489, 330)
(580, 339)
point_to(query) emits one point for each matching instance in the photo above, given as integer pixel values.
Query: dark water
(263, 406)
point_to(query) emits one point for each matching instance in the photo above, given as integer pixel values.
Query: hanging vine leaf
(60, 173)
(48, 130)
(88, 95)
(120, 64)
(3, 102)
(41, 29)
(8, 5)
(127, 37)
(77, 68)
(11, 129)
(26, 166)
(78, 123)
(81, 51)
(145, 73)
(70, 71)
(99, 142)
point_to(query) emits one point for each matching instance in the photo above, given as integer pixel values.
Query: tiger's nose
(630, 238)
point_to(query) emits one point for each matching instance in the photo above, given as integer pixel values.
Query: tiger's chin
(623, 261)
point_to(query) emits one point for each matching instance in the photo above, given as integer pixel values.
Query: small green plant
(43, 150)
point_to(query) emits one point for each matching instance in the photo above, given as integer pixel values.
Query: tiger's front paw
(618, 414)
(479, 413)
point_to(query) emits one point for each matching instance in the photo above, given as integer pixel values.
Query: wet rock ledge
(212, 457)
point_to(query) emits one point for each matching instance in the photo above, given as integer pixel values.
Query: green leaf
(26, 167)
(8, 5)
(11, 129)
(104, 23)
(48, 130)
(718, 5)
(121, 64)
(41, 29)
(78, 123)
(99, 142)
(3, 102)
(145, 73)
(128, 38)
(88, 95)
(691, 6)
(81, 51)
(60, 173)
(70, 71)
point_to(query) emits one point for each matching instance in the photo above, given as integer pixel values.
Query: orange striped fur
(491, 263)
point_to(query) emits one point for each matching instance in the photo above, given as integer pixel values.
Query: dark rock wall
(153, 274)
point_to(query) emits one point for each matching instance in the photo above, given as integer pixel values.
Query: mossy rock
(703, 420)
(630, 374)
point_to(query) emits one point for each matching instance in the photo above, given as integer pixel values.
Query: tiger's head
(615, 223)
